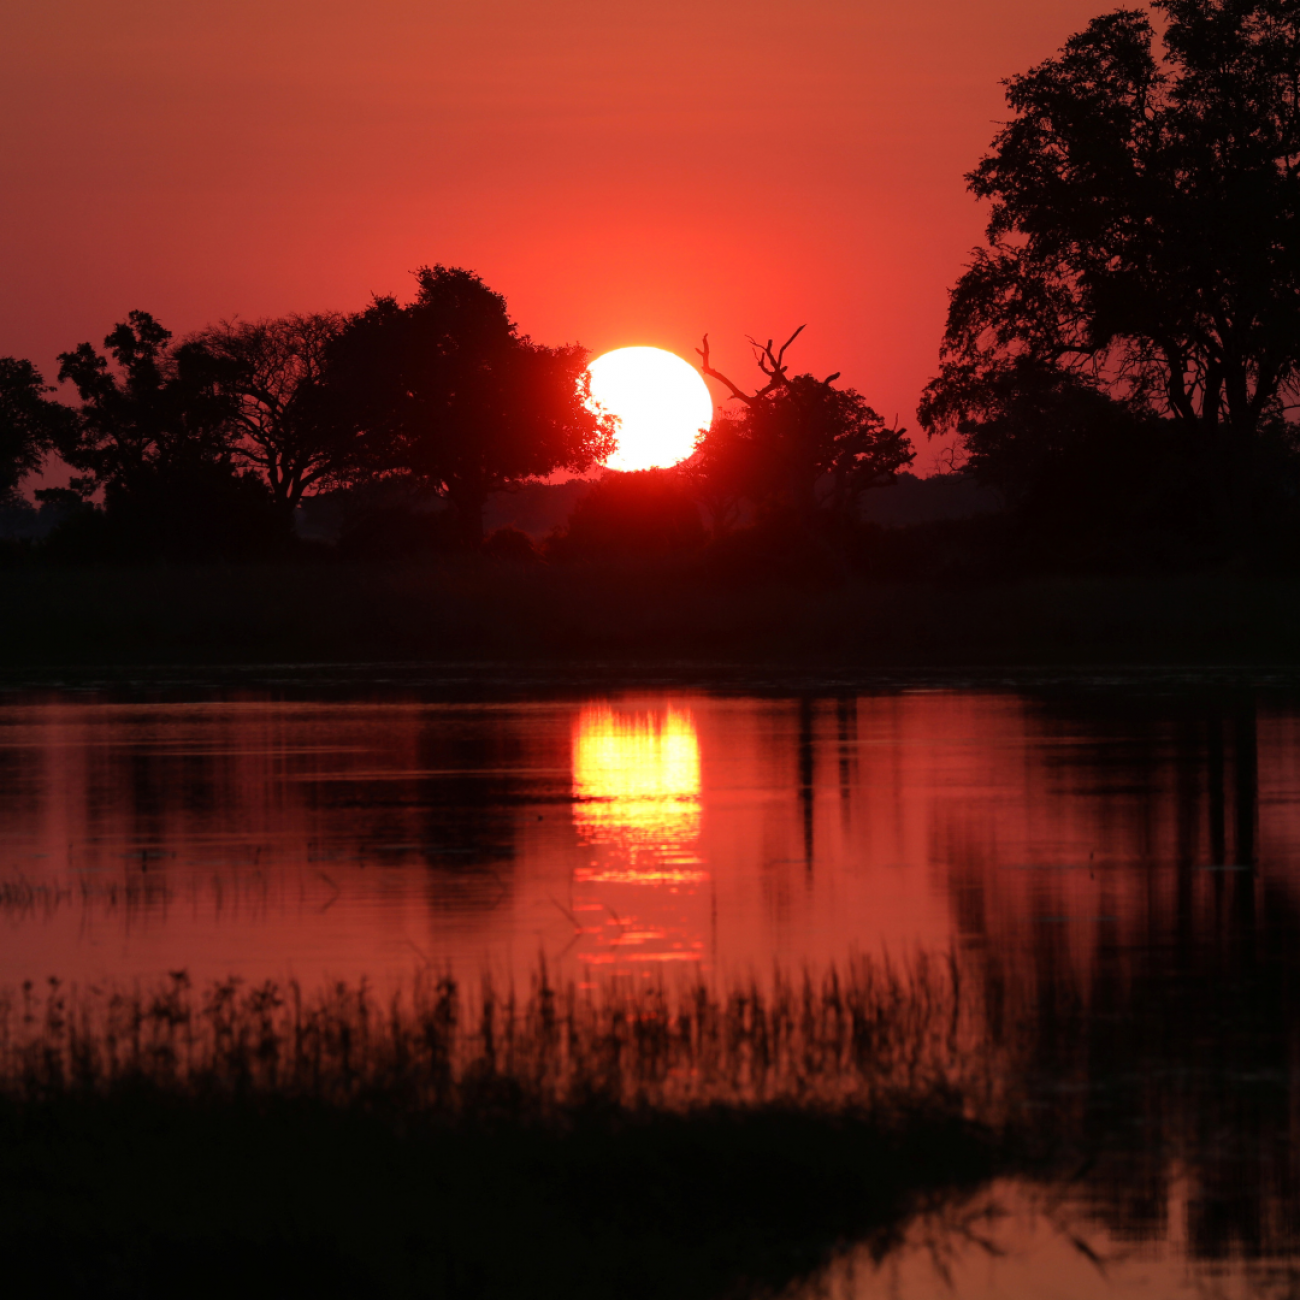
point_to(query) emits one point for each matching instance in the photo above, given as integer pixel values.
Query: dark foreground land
(141, 1194)
(253, 1142)
(640, 1141)
(469, 609)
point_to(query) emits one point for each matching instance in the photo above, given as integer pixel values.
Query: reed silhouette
(673, 1139)
(642, 1141)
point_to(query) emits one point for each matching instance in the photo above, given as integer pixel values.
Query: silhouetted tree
(154, 433)
(1020, 419)
(720, 471)
(150, 407)
(1143, 235)
(1078, 465)
(798, 442)
(447, 391)
(285, 425)
(30, 423)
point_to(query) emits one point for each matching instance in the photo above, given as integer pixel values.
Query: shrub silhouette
(511, 545)
(192, 513)
(645, 513)
(394, 526)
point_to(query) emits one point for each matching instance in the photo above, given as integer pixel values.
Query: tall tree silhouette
(154, 432)
(30, 423)
(151, 408)
(1145, 230)
(285, 425)
(797, 442)
(447, 391)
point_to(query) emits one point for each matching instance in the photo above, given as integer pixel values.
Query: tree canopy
(30, 423)
(1143, 231)
(797, 444)
(446, 390)
(283, 423)
(154, 433)
(150, 407)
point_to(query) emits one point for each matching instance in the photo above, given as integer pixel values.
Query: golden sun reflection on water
(636, 778)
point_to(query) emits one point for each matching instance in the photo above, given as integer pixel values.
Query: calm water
(1120, 864)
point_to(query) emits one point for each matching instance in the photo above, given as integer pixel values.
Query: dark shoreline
(468, 684)
(631, 622)
(264, 1140)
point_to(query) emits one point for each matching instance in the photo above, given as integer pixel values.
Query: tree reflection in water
(1116, 873)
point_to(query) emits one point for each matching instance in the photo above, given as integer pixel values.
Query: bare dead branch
(780, 356)
(770, 361)
(707, 369)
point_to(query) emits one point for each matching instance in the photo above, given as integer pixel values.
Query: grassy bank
(468, 610)
(139, 1194)
(637, 1139)
(637, 1143)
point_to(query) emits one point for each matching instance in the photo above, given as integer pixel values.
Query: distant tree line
(1121, 364)
(208, 445)
(415, 414)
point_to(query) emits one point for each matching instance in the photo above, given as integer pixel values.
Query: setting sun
(661, 402)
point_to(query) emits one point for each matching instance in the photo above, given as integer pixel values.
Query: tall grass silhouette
(872, 1034)
(695, 1138)
(470, 1140)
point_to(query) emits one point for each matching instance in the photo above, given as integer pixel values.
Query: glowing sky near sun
(622, 173)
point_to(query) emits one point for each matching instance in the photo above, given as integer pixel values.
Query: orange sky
(623, 174)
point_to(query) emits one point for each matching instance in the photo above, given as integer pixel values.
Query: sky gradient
(623, 174)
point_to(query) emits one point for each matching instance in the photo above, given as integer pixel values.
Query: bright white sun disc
(661, 402)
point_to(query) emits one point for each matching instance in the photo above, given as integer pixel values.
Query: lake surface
(1118, 863)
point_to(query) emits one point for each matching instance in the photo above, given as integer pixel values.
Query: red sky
(623, 174)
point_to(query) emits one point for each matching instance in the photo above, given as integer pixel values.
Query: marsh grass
(869, 1036)
(695, 1139)
(631, 1141)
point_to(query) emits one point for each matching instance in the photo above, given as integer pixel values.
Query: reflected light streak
(636, 780)
(636, 777)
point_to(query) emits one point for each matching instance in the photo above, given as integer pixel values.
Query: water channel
(1128, 849)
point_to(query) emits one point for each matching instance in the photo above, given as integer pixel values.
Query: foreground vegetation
(635, 1143)
(641, 1139)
